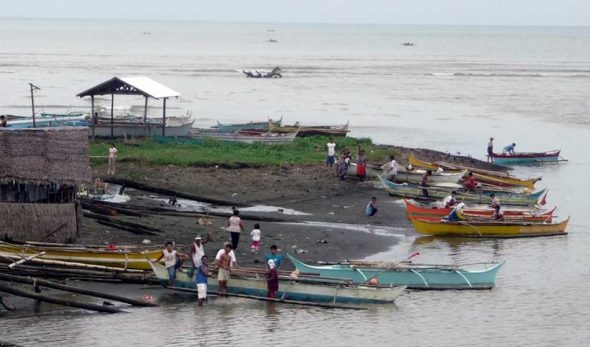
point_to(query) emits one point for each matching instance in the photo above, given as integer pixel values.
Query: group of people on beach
(225, 260)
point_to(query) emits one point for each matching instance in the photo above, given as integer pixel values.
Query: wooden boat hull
(304, 131)
(414, 211)
(121, 259)
(526, 157)
(484, 176)
(309, 292)
(488, 229)
(139, 130)
(232, 128)
(415, 191)
(415, 277)
(246, 136)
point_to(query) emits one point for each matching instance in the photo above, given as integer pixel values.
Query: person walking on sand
(361, 165)
(223, 272)
(392, 168)
(491, 150)
(112, 159)
(371, 208)
(255, 238)
(201, 279)
(331, 158)
(272, 279)
(235, 227)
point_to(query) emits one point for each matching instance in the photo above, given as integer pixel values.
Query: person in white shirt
(255, 238)
(232, 255)
(392, 169)
(197, 251)
(172, 261)
(331, 159)
(112, 159)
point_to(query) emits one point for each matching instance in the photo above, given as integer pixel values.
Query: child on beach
(255, 238)
(371, 208)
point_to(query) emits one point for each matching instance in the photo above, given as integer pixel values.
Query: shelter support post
(164, 118)
(93, 118)
(145, 109)
(112, 114)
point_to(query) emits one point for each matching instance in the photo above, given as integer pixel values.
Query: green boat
(413, 276)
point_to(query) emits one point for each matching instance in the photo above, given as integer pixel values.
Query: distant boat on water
(408, 44)
(272, 40)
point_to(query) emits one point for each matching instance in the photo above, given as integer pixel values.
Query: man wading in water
(223, 273)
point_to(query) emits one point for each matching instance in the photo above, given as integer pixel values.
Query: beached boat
(414, 276)
(433, 213)
(435, 192)
(319, 130)
(308, 291)
(488, 228)
(246, 136)
(526, 157)
(496, 178)
(121, 257)
(232, 128)
(48, 121)
(410, 176)
(134, 127)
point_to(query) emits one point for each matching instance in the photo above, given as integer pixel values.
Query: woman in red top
(471, 183)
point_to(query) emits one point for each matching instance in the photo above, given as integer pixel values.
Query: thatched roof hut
(40, 170)
(45, 155)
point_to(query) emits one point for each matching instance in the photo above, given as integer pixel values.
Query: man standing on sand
(491, 150)
(331, 159)
(371, 208)
(223, 273)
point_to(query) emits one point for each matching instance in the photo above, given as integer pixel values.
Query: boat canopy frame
(139, 85)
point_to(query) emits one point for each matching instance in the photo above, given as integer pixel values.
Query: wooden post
(164, 118)
(92, 119)
(112, 111)
(33, 88)
(145, 109)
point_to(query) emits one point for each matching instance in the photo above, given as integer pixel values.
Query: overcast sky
(454, 12)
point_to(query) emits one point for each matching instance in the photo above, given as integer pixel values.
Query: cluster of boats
(522, 208)
(350, 282)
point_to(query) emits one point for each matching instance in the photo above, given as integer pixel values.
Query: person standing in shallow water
(272, 279)
(112, 159)
(235, 227)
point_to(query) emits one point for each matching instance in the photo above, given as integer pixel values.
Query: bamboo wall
(38, 222)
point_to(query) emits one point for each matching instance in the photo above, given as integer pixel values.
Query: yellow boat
(488, 228)
(484, 176)
(120, 258)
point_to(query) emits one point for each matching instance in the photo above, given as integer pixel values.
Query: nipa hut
(40, 170)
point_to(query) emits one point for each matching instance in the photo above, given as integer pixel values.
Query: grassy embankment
(302, 151)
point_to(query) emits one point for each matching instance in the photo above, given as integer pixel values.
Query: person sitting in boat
(424, 182)
(509, 149)
(3, 123)
(457, 214)
(470, 183)
(491, 150)
(272, 279)
(451, 200)
(172, 261)
(498, 214)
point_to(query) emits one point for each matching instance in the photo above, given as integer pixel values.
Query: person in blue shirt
(510, 149)
(201, 280)
(275, 256)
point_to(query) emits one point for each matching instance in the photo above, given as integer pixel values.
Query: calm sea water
(454, 89)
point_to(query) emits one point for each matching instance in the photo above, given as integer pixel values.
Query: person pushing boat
(172, 261)
(197, 251)
(457, 214)
(509, 149)
(223, 264)
(201, 279)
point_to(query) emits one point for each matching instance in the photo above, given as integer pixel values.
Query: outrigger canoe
(411, 176)
(500, 179)
(432, 213)
(414, 191)
(122, 258)
(232, 128)
(304, 131)
(290, 290)
(414, 276)
(489, 228)
(526, 157)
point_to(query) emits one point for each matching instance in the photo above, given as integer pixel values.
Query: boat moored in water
(489, 228)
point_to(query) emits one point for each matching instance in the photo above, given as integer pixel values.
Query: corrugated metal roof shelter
(139, 85)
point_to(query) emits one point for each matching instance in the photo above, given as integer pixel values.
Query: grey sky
(455, 12)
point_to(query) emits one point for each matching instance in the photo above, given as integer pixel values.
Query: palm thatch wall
(44, 155)
(38, 222)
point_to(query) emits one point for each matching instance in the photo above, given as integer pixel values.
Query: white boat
(414, 176)
(133, 126)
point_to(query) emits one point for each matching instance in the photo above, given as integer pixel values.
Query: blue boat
(413, 276)
(308, 291)
(526, 157)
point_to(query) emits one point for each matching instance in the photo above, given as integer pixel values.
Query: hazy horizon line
(294, 22)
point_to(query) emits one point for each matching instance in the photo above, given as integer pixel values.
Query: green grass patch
(302, 151)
